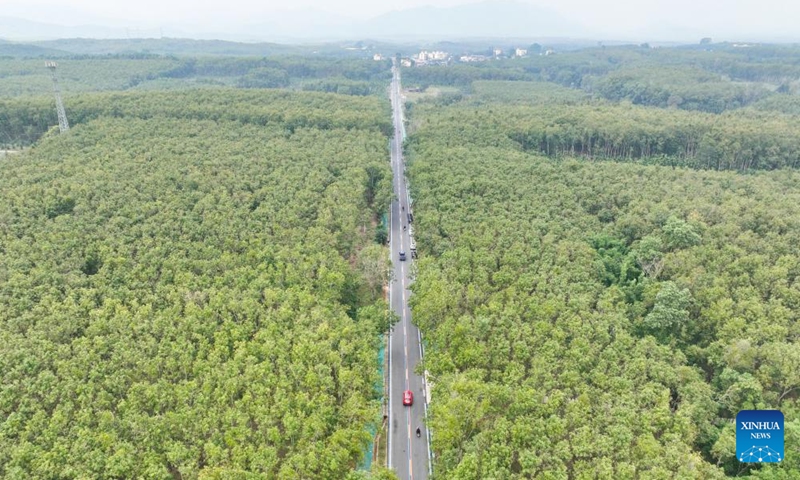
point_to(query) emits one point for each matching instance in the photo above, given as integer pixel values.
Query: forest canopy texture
(184, 289)
(597, 319)
(191, 278)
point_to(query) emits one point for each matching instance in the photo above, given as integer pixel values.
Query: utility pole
(63, 125)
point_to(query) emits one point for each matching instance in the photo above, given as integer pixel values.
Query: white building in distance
(426, 56)
(474, 58)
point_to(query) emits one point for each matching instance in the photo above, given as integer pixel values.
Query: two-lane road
(408, 455)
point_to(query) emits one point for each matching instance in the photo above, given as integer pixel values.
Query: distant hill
(500, 19)
(489, 18)
(166, 46)
(20, 29)
(10, 49)
(486, 19)
(297, 26)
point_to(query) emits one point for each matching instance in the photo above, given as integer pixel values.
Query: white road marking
(401, 191)
(389, 401)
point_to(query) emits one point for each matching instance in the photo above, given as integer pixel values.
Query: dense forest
(27, 110)
(23, 120)
(602, 319)
(721, 107)
(194, 47)
(141, 71)
(738, 140)
(191, 279)
(711, 78)
(190, 287)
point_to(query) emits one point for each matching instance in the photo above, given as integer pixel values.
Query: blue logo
(759, 436)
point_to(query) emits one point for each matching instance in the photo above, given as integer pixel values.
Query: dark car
(402, 255)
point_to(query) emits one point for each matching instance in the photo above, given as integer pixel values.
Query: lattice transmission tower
(63, 124)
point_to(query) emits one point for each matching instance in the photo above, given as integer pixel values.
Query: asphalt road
(408, 455)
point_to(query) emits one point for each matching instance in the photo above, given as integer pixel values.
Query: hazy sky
(747, 17)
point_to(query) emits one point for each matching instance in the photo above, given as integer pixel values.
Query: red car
(408, 398)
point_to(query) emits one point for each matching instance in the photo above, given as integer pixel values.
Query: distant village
(438, 57)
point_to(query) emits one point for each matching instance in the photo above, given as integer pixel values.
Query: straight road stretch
(408, 454)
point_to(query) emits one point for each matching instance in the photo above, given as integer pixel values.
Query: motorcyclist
(418, 432)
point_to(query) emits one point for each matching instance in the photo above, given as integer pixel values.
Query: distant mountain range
(9, 49)
(12, 28)
(487, 19)
(495, 19)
